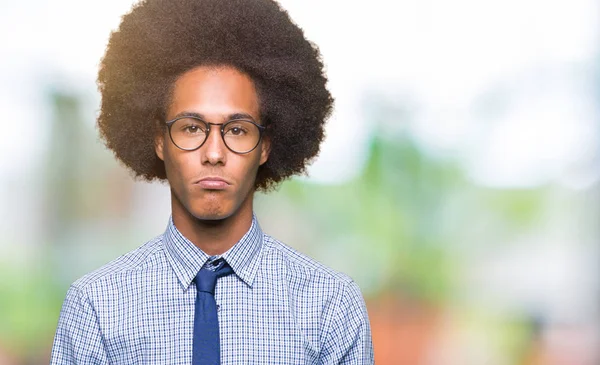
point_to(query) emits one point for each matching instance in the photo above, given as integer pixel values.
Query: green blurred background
(461, 166)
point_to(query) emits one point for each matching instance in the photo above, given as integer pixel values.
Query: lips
(213, 183)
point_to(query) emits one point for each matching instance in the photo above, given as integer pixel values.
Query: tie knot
(206, 279)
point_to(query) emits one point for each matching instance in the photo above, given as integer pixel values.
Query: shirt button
(218, 308)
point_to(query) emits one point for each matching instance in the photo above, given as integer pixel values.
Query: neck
(213, 236)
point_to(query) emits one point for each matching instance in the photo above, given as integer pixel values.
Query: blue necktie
(206, 346)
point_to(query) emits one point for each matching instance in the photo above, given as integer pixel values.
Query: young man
(221, 98)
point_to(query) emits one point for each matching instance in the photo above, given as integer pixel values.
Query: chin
(210, 211)
(204, 214)
(210, 216)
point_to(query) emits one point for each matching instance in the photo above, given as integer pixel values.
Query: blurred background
(463, 162)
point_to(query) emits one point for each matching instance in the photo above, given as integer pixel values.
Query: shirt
(278, 307)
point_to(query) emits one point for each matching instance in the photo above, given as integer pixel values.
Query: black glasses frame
(261, 130)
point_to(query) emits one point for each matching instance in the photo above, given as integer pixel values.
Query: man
(221, 98)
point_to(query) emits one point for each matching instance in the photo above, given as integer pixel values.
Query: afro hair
(158, 40)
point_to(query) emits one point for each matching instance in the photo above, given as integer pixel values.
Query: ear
(159, 144)
(265, 149)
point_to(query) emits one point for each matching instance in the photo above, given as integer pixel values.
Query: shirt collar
(186, 259)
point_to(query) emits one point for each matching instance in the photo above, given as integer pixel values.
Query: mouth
(212, 183)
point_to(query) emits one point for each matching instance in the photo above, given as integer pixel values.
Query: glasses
(239, 135)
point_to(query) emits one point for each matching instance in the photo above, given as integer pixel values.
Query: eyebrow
(228, 117)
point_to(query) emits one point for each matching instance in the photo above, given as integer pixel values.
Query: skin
(214, 220)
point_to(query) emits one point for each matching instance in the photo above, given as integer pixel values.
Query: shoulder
(303, 270)
(135, 260)
(300, 263)
(342, 319)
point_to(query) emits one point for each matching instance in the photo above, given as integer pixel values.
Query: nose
(214, 150)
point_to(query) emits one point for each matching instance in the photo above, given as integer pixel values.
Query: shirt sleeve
(348, 340)
(78, 339)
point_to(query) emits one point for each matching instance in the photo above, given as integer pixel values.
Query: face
(212, 182)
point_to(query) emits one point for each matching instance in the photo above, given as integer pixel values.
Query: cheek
(245, 168)
(179, 164)
(252, 167)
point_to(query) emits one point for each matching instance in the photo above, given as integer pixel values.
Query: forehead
(215, 92)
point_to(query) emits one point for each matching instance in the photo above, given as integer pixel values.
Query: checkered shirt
(279, 307)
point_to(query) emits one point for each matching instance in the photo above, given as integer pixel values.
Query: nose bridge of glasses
(219, 125)
(218, 133)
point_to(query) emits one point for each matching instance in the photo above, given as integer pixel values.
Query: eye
(190, 126)
(237, 129)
